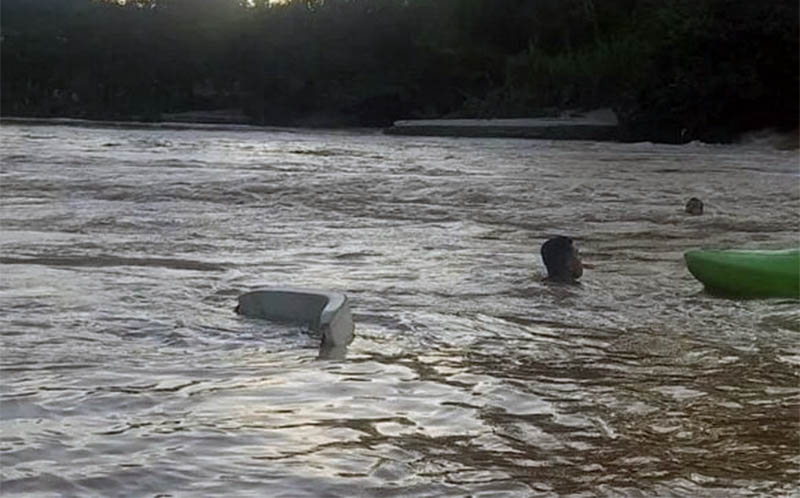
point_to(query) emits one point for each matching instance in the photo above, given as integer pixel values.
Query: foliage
(674, 69)
(717, 67)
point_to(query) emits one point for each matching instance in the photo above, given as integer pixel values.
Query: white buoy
(321, 311)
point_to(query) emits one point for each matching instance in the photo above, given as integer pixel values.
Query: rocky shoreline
(163, 125)
(595, 125)
(600, 125)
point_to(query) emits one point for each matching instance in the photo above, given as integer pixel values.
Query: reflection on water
(126, 372)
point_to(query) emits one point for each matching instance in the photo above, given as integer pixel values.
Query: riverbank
(163, 125)
(600, 125)
(558, 128)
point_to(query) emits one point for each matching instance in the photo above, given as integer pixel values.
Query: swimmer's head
(694, 206)
(562, 259)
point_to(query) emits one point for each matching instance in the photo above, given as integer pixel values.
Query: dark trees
(677, 69)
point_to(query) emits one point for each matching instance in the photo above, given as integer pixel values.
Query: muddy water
(126, 373)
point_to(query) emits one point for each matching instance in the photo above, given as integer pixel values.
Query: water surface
(125, 371)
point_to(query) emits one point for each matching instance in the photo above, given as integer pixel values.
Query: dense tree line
(673, 69)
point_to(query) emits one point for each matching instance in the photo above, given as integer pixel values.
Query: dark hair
(694, 206)
(556, 253)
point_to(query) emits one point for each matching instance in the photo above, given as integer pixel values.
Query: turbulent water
(125, 371)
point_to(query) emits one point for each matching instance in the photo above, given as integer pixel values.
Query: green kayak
(742, 273)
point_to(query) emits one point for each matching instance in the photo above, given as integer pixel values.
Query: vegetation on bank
(674, 70)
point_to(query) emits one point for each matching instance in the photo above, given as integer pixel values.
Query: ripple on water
(126, 372)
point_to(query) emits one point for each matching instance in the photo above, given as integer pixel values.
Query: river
(125, 371)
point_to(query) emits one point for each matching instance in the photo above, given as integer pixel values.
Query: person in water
(694, 206)
(562, 260)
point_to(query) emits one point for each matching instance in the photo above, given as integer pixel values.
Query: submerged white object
(321, 311)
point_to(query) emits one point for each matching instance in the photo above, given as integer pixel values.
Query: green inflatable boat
(741, 273)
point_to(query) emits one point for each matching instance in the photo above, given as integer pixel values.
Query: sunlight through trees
(698, 68)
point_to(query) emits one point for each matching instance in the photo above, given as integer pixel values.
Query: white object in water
(321, 311)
